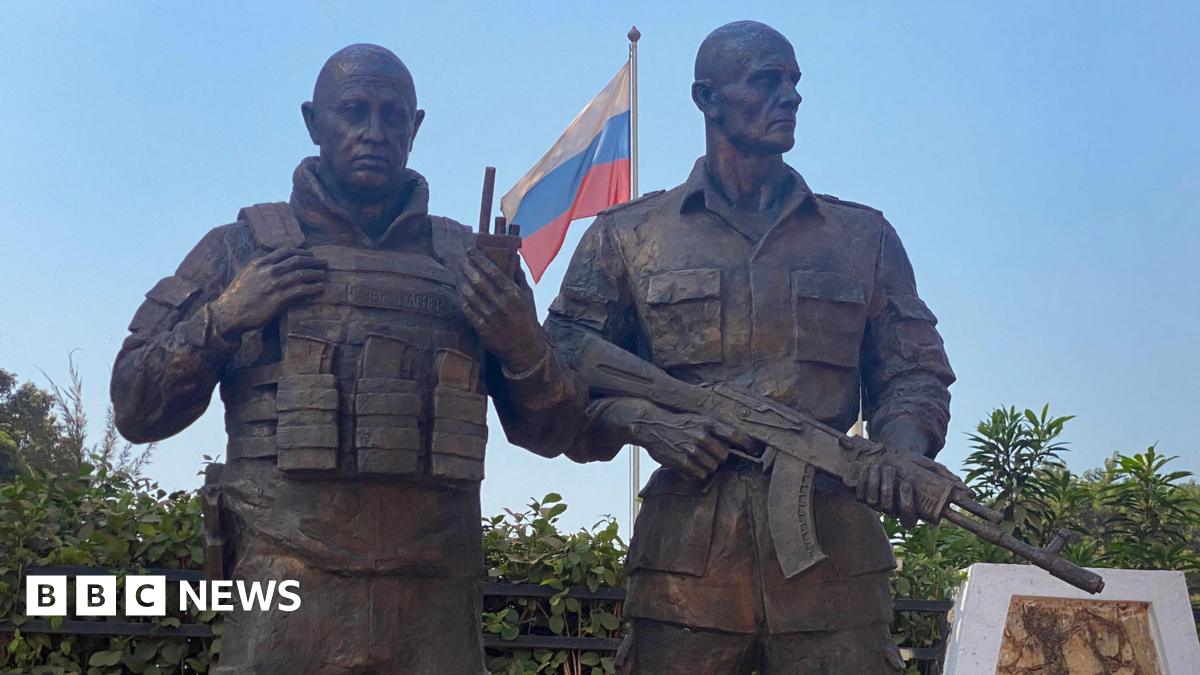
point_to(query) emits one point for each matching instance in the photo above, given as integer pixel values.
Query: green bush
(99, 519)
(529, 548)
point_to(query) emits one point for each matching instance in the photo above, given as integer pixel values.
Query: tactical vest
(378, 376)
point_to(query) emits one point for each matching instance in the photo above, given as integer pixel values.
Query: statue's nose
(374, 128)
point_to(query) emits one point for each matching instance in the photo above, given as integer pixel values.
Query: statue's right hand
(264, 287)
(692, 444)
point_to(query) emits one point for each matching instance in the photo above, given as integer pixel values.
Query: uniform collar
(315, 208)
(699, 191)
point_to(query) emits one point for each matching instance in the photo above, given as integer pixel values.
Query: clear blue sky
(1040, 160)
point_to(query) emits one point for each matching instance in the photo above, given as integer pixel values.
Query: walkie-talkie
(502, 244)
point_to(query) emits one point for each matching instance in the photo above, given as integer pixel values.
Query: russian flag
(585, 172)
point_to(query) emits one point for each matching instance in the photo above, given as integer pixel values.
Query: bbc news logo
(145, 595)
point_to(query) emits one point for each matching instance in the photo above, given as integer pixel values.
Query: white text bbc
(96, 595)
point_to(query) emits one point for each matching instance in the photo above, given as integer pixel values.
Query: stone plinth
(1019, 620)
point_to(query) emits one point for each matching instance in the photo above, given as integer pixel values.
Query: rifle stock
(798, 446)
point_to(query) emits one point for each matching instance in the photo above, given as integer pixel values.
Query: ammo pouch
(388, 407)
(306, 403)
(371, 380)
(459, 418)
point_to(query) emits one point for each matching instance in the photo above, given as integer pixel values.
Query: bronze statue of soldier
(743, 276)
(354, 338)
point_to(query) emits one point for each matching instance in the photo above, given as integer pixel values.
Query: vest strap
(273, 225)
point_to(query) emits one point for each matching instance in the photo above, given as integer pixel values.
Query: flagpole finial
(634, 34)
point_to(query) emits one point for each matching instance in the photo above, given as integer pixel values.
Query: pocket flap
(911, 307)
(681, 285)
(173, 291)
(666, 481)
(675, 527)
(827, 286)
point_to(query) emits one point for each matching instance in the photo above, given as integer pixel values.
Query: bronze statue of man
(742, 275)
(354, 337)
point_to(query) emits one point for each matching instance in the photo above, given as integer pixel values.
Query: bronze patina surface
(354, 338)
(743, 275)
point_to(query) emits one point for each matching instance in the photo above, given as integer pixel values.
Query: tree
(47, 430)
(1149, 514)
(1015, 455)
(12, 464)
(28, 421)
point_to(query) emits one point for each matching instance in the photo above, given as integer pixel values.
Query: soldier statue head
(746, 76)
(364, 117)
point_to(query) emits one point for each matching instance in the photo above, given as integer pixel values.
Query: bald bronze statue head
(745, 84)
(364, 117)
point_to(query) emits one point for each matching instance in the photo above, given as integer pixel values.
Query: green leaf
(607, 620)
(105, 658)
(173, 652)
(146, 649)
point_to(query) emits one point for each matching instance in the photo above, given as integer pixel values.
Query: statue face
(365, 127)
(754, 101)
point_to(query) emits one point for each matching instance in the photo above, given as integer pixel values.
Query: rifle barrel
(991, 515)
(1051, 562)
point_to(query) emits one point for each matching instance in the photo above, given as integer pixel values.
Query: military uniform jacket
(356, 419)
(814, 310)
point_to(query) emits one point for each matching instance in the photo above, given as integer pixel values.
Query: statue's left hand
(502, 312)
(885, 487)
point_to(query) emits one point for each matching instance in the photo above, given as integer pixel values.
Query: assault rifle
(797, 446)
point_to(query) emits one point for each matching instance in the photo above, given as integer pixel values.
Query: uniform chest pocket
(683, 314)
(829, 313)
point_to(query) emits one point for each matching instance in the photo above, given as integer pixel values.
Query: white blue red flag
(585, 172)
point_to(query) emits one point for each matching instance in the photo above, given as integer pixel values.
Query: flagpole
(635, 478)
(634, 36)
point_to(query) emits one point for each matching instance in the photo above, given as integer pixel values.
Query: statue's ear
(704, 95)
(417, 119)
(310, 120)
